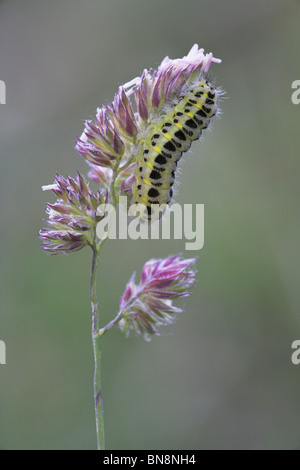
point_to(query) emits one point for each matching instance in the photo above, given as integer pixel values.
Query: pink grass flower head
(72, 217)
(111, 142)
(104, 141)
(154, 90)
(149, 305)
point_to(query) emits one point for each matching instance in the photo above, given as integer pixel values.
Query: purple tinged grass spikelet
(73, 217)
(122, 115)
(104, 141)
(153, 91)
(147, 306)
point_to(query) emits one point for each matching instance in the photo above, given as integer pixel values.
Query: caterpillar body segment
(166, 141)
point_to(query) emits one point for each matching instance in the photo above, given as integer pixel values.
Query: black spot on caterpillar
(167, 140)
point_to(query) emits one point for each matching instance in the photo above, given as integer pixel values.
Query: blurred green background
(224, 377)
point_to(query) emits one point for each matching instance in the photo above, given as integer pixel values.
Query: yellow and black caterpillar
(165, 142)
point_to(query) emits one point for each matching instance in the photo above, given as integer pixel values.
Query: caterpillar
(165, 142)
